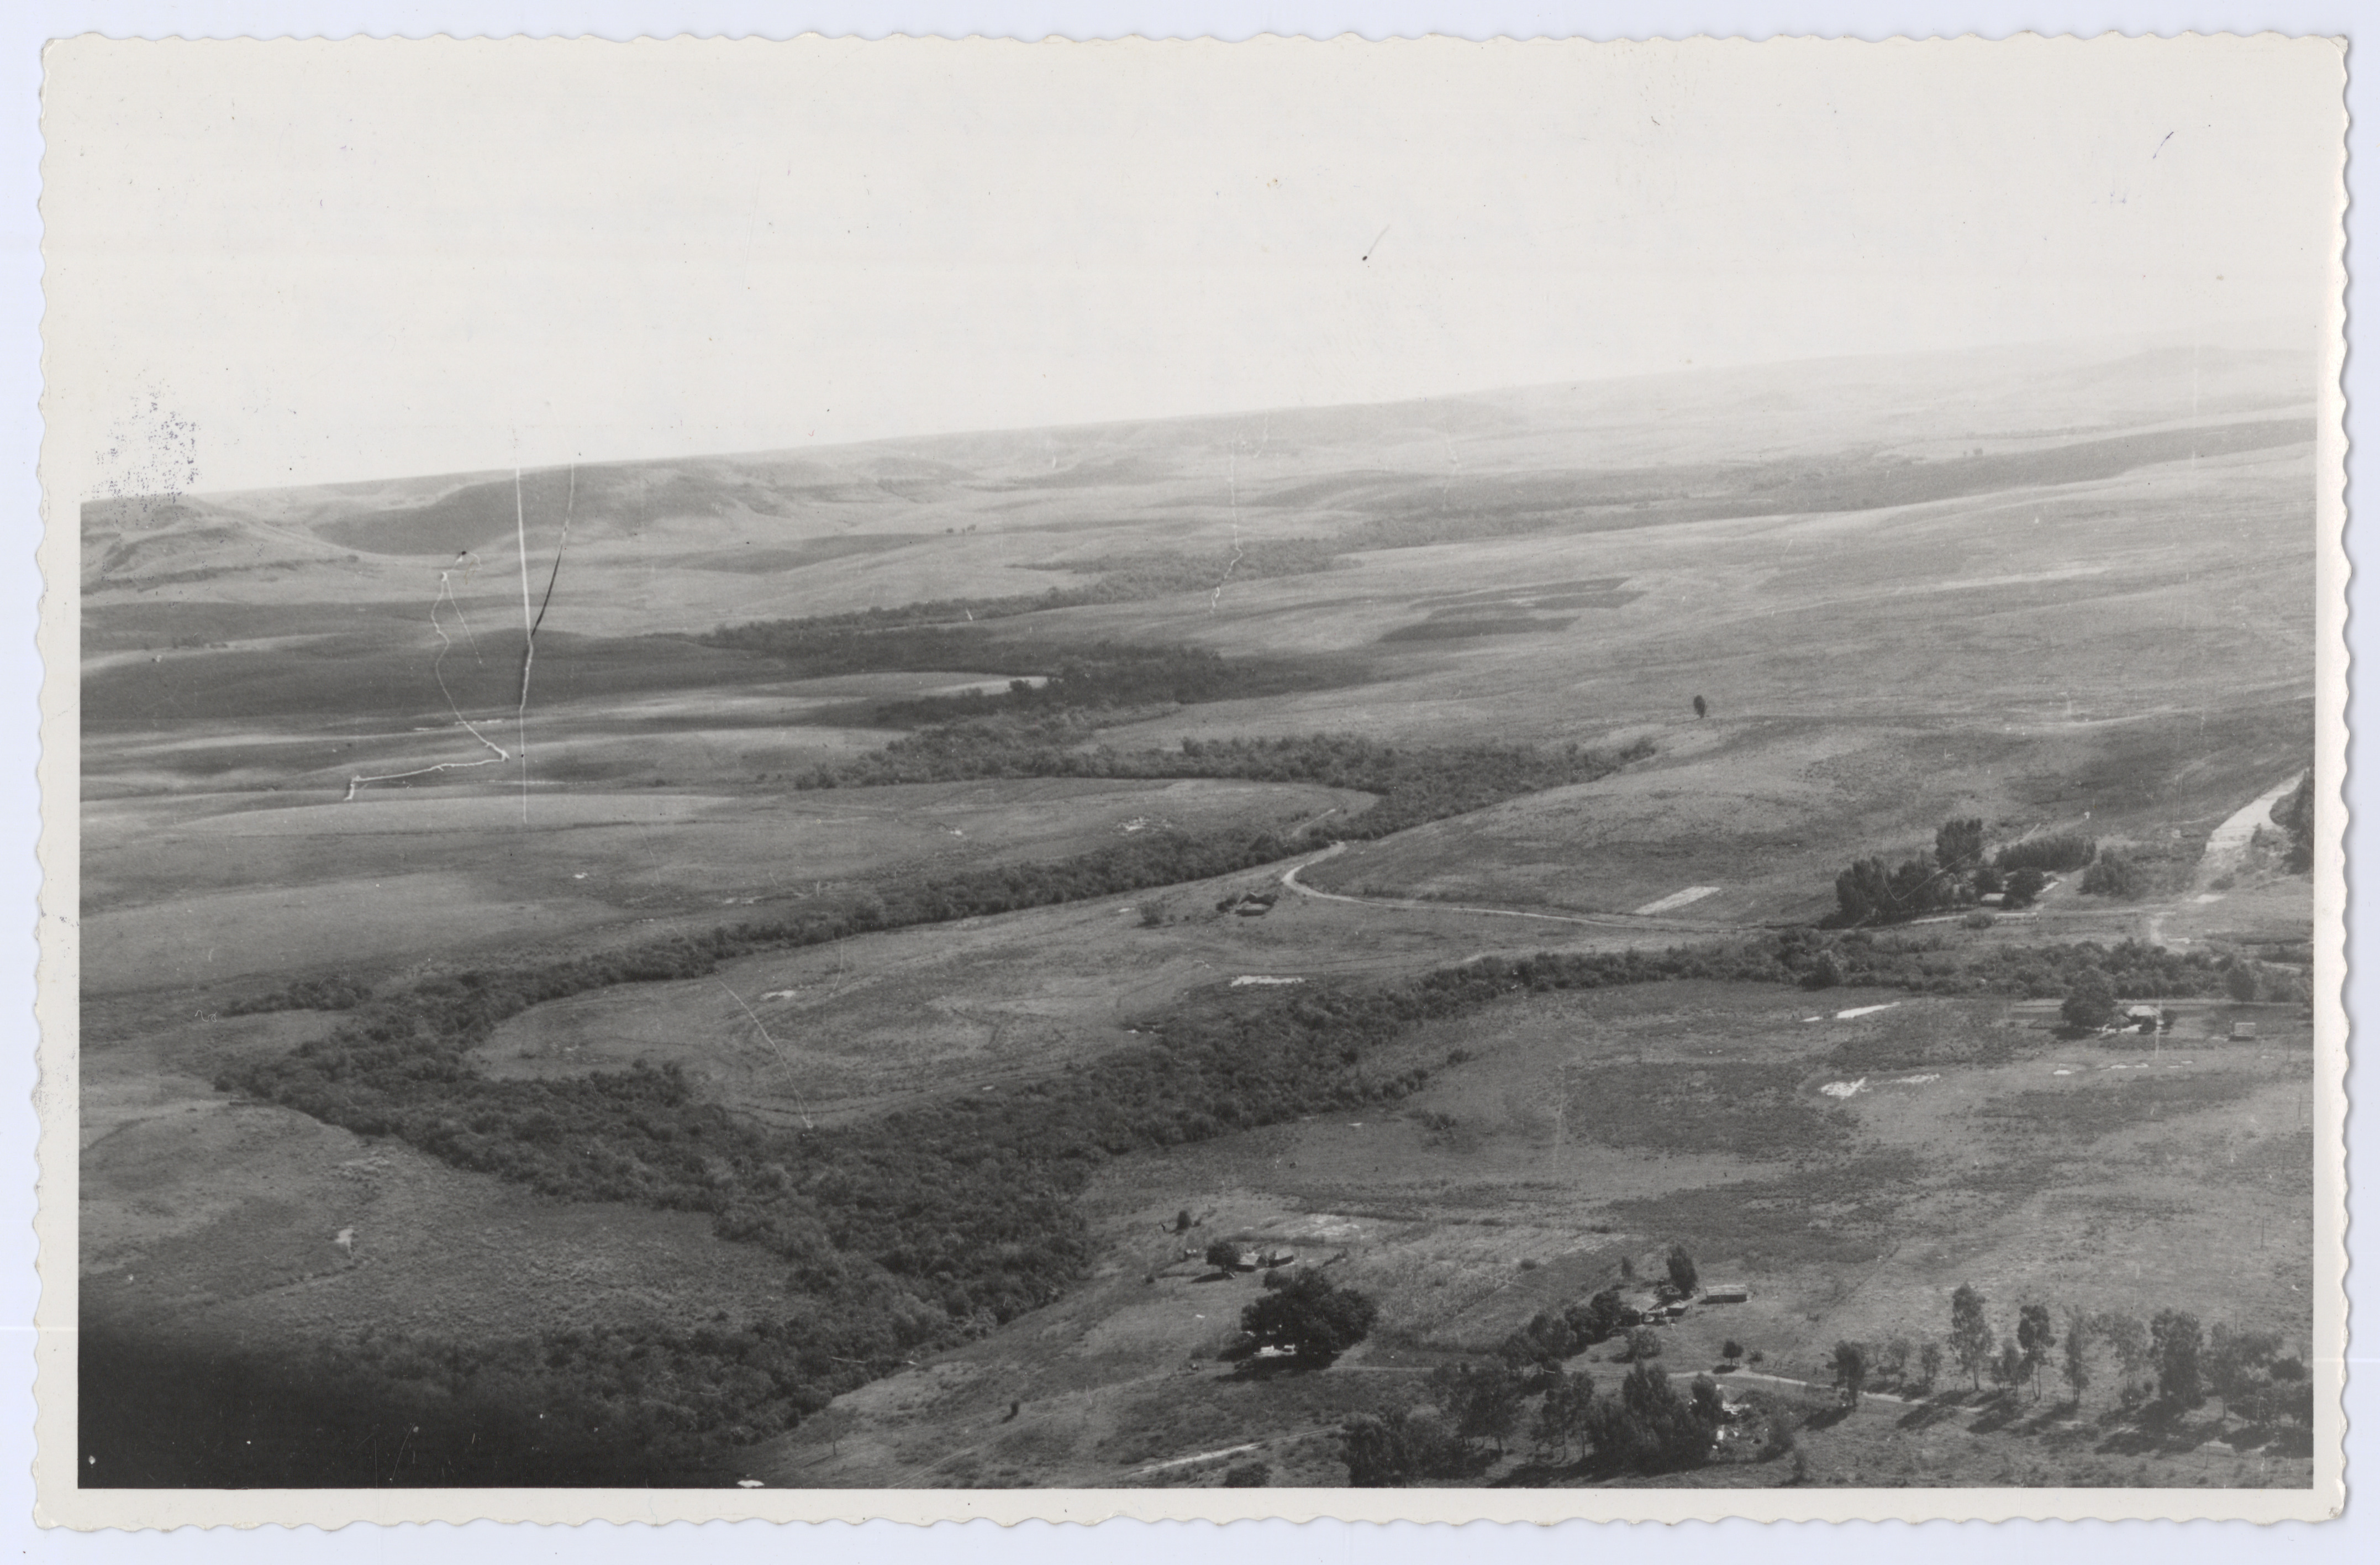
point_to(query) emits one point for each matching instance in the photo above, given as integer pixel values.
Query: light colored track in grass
(1418, 905)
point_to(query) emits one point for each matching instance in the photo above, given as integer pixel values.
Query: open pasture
(1770, 810)
(430, 1249)
(400, 876)
(874, 1020)
(220, 1220)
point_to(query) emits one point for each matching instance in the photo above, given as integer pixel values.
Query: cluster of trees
(2117, 875)
(1647, 1426)
(1550, 1337)
(2166, 1365)
(2091, 992)
(1955, 874)
(1309, 1317)
(1930, 965)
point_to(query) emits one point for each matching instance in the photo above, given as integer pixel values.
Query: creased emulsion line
(438, 672)
(532, 619)
(774, 1048)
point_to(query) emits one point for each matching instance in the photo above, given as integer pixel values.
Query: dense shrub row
(335, 993)
(1415, 783)
(2064, 850)
(1129, 578)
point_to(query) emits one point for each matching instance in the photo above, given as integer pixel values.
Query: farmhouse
(1727, 1293)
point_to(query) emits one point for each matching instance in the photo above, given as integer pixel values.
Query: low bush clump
(2051, 854)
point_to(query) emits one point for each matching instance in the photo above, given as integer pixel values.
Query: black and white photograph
(935, 779)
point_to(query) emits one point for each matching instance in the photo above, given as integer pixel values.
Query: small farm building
(1726, 1293)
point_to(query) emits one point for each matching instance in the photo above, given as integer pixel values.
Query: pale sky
(320, 263)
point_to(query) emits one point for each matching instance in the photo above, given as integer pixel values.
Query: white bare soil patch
(1676, 900)
(2228, 844)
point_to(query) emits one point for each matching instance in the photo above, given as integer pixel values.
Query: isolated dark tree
(1628, 1268)
(2008, 1365)
(2090, 1000)
(1681, 1271)
(1732, 1350)
(2076, 1368)
(2022, 888)
(1851, 1370)
(1222, 1252)
(2127, 1338)
(1971, 1334)
(1644, 1343)
(1701, 708)
(2240, 982)
(2035, 1338)
(1824, 972)
(1310, 1317)
(1929, 1364)
(1181, 1220)
(1959, 845)
(1709, 1406)
(2174, 1342)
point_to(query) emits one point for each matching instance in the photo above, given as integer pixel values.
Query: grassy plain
(1905, 590)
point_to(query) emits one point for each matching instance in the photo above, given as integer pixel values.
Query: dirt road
(2227, 845)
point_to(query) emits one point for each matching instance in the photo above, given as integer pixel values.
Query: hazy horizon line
(2232, 334)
